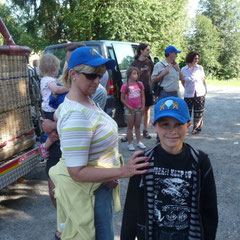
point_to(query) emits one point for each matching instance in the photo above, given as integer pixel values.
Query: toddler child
(49, 67)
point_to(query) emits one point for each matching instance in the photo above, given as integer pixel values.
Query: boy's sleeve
(129, 220)
(208, 200)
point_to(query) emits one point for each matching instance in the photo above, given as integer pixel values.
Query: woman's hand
(136, 165)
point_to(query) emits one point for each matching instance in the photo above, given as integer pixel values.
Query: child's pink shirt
(134, 97)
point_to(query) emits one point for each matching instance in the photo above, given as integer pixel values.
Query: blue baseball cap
(172, 49)
(89, 56)
(171, 107)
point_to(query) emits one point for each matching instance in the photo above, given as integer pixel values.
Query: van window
(124, 54)
(95, 46)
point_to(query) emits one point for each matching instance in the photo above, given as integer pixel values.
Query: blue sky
(193, 4)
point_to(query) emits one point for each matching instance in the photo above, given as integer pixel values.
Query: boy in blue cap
(176, 199)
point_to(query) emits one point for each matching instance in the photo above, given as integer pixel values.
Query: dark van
(123, 53)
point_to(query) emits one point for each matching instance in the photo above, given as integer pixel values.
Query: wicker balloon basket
(16, 131)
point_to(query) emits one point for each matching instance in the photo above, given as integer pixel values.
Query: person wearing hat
(176, 199)
(90, 158)
(50, 127)
(167, 74)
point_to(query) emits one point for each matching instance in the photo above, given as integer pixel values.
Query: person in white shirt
(195, 89)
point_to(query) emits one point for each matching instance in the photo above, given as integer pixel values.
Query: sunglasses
(91, 76)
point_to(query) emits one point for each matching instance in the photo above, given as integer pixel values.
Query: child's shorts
(136, 111)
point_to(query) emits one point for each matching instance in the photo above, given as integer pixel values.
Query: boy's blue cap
(172, 49)
(89, 56)
(171, 107)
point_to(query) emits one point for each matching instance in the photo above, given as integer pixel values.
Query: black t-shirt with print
(172, 189)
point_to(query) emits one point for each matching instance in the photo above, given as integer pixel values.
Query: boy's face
(171, 133)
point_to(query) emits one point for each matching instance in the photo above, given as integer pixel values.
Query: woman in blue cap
(85, 177)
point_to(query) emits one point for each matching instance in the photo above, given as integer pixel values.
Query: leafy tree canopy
(12, 25)
(55, 21)
(205, 39)
(225, 16)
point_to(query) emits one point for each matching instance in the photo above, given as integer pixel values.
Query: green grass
(224, 83)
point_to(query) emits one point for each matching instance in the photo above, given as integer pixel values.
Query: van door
(123, 54)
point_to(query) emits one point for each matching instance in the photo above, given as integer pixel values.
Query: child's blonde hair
(49, 64)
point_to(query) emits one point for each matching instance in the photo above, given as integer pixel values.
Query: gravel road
(26, 211)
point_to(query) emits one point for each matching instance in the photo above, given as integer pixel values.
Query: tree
(54, 21)
(225, 17)
(205, 39)
(41, 20)
(155, 22)
(11, 24)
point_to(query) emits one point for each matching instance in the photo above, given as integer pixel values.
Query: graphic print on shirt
(134, 92)
(144, 68)
(172, 198)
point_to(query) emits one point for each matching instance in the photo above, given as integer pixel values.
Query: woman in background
(195, 89)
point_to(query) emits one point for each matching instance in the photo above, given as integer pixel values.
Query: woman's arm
(76, 139)
(134, 166)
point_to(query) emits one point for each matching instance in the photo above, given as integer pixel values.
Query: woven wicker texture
(15, 109)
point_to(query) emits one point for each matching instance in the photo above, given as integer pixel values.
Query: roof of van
(107, 42)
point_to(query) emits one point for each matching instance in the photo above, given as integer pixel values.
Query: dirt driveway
(27, 213)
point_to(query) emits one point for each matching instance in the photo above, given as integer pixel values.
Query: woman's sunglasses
(91, 76)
